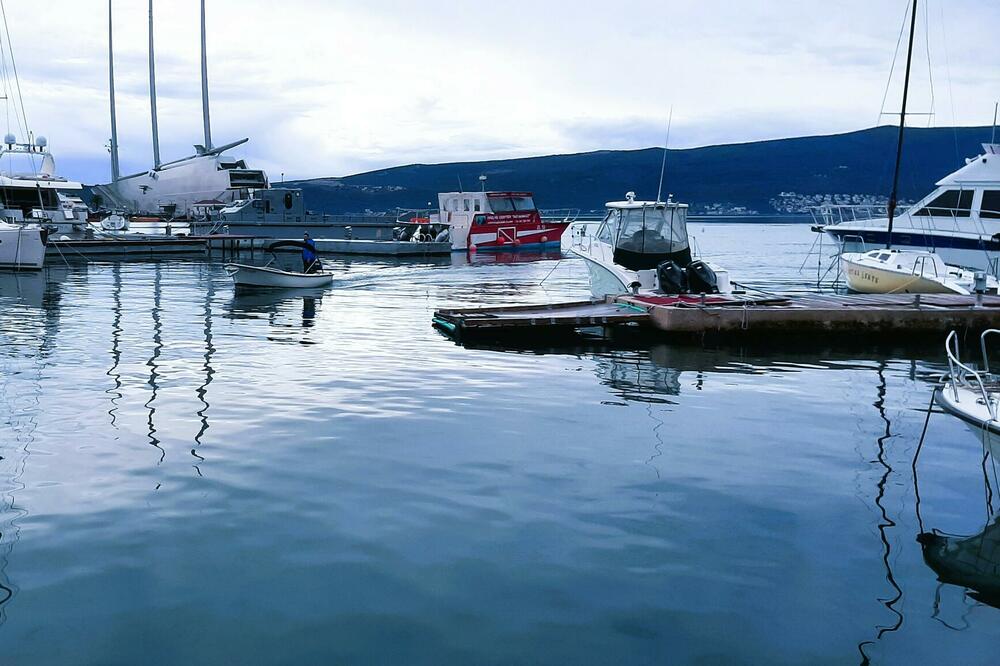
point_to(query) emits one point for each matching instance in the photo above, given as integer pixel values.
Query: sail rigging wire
(892, 66)
(13, 64)
(930, 69)
(951, 93)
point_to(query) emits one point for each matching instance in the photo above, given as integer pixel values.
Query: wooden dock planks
(827, 314)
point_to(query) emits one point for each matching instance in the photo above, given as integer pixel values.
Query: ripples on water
(193, 476)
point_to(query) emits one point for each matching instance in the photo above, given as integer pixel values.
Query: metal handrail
(982, 346)
(957, 378)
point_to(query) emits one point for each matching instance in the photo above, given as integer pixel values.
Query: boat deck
(839, 315)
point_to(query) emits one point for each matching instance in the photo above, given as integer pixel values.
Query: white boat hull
(21, 248)
(869, 280)
(263, 277)
(967, 404)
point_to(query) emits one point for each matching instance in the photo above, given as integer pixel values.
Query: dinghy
(269, 276)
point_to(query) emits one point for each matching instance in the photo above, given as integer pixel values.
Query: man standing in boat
(309, 263)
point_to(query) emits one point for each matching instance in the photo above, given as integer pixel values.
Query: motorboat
(22, 246)
(271, 276)
(894, 271)
(488, 221)
(643, 247)
(972, 394)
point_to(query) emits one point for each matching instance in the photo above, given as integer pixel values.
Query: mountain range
(740, 177)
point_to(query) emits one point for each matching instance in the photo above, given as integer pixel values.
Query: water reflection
(972, 562)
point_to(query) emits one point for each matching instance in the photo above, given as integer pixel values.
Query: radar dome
(9, 139)
(41, 142)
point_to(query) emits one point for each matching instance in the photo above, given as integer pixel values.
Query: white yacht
(34, 201)
(960, 220)
(176, 188)
(643, 247)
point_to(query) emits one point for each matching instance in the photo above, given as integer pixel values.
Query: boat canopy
(644, 234)
(299, 245)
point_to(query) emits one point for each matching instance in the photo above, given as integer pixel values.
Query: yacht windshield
(648, 235)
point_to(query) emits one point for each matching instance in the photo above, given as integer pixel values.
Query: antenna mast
(115, 172)
(204, 83)
(902, 125)
(993, 135)
(663, 164)
(152, 92)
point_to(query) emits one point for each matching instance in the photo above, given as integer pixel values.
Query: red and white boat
(495, 221)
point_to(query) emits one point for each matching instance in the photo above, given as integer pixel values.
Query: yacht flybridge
(643, 247)
(178, 187)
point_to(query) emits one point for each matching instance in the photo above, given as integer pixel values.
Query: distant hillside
(751, 175)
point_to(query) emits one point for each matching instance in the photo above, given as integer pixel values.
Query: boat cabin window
(884, 256)
(606, 232)
(511, 204)
(23, 197)
(990, 208)
(478, 205)
(465, 205)
(957, 203)
(651, 229)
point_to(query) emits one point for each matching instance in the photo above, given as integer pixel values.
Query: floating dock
(143, 245)
(717, 316)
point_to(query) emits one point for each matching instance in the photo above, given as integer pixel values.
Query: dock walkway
(693, 316)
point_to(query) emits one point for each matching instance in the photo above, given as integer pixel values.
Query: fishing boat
(971, 394)
(489, 221)
(893, 271)
(643, 247)
(933, 240)
(271, 276)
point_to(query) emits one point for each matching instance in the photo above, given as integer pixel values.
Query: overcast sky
(326, 88)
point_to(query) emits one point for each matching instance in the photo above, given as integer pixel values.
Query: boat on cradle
(972, 395)
(896, 271)
(487, 221)
(270, 276)
(643, 247)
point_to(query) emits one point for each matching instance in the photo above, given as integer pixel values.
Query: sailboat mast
(152, 92)
(902, 126)
(115, 171)
(204, 83)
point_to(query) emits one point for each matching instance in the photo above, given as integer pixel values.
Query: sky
(330, 88)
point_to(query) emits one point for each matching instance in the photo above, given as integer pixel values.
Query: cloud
(335, 87)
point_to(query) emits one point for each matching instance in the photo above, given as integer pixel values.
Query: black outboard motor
(701, 279)
(671, 277)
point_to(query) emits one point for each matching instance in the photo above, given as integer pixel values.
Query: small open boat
(247, 276)
(972, 394)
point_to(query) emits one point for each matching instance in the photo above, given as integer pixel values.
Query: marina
(462, 356)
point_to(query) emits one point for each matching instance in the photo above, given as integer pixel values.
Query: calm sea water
(189, 476)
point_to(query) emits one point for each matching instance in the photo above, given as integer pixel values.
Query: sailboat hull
(867, 279)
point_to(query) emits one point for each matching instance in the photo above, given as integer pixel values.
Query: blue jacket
(309, 253)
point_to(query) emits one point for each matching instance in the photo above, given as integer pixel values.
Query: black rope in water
(916, 455)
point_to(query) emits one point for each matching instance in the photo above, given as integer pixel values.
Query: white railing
(959, 374)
